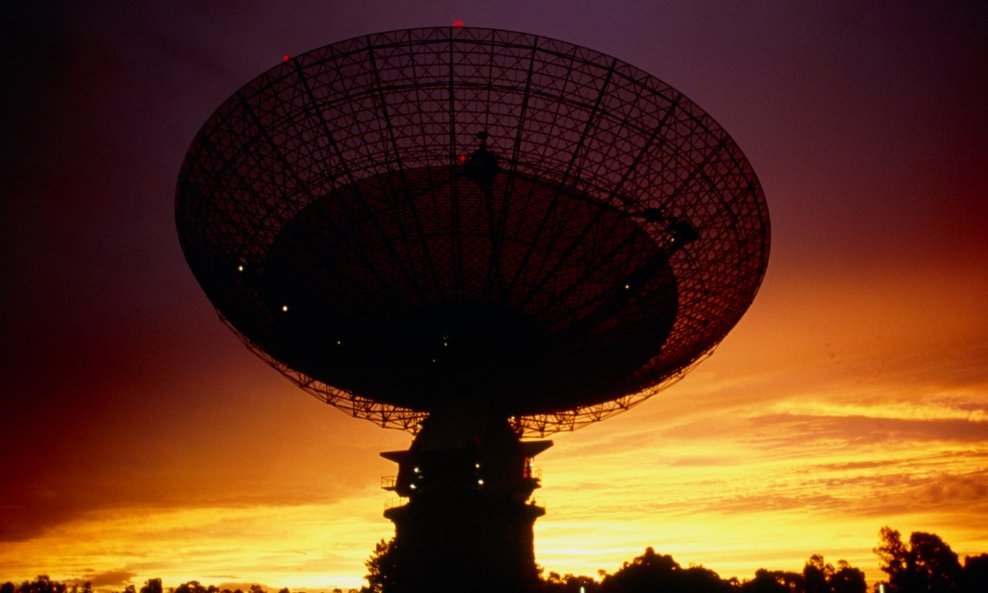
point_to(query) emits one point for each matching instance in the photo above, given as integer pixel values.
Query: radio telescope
(478, 236)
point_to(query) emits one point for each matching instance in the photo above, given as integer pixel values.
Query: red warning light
(285, 58)
(457, 23)
(461, 159)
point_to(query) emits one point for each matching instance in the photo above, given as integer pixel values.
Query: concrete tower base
(468, 522)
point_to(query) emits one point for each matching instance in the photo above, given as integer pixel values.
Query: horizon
(133, 581)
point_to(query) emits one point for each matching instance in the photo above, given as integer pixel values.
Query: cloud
(785, 427)
(953, 490)
(772, 501)
(287, 545)
(20, 521)
(699, 461)
(852, 465)
(242, 585)
(107, 578)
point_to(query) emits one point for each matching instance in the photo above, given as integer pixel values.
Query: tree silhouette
(646, 572)
(847, 579)
(925, 565)
(975, 577)
(774, 581)
(191, 587)
(697, 579)
(659, 572)
(569, 584)
(42, 584)
(821, 577)
(817, 575)
(381, 568)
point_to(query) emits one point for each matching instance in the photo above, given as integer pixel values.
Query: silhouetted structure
(659, 572)
(474, 235)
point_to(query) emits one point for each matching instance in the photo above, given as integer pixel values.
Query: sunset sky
(141, 439)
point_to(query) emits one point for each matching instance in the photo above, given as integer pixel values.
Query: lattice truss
(391, 105)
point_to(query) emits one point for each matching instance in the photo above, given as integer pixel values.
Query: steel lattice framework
(346, 199)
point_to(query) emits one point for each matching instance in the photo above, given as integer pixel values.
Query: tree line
(43, 584)
(922, 564)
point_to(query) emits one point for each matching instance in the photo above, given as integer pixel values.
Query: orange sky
(142, 439)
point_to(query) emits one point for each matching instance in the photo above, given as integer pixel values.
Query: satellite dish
(473, 235)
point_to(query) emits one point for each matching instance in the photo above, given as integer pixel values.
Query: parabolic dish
(407, 221)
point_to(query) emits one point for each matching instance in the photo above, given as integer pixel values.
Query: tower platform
(468, 521)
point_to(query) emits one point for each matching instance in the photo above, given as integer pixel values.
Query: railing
(393, 502)
(389, 482)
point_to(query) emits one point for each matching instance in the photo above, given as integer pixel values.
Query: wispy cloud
(107, 578)
(296, 546)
